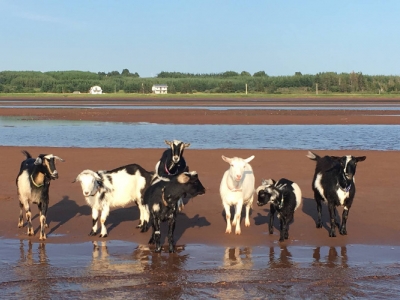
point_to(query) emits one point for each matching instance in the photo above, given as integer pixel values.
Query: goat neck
(344, 183)
(38, 178)
(167, 169)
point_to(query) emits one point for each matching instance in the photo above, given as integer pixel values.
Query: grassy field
(194, 96)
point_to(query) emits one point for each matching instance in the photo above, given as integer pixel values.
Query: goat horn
(59, 158)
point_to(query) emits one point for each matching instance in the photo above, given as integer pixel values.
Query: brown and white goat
(33, 183)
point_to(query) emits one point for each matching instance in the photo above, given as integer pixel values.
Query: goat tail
(313, 156)
(26, 153)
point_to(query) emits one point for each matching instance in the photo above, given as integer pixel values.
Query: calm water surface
(122, 270)
(148, 107)
(87, 134)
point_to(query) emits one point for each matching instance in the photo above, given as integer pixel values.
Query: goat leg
(95, 218)
(103, 217)
(171, 230)
(21, 217)
(343, 229)
(43, 211)
(157, 233)
(271, 219)
(319, 208)
(282, 229)
(333, 220)
(145, 226)
(29, 222)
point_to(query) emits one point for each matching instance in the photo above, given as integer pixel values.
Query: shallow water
(148, 107)
(120, 269)
(87, 134)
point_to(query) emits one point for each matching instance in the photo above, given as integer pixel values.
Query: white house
(95, 90)
(159, 88)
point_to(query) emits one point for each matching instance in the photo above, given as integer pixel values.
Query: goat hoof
(42, 237)
(332, 234)
(228, 231)
(343, 231)
(319, 225)
(92, 233)
(238, 232)
(157, 250)
(281, 239)
(171, 250)
(103, 235)
(139, 226)
(20, 224)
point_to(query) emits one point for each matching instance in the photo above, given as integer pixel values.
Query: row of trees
(226, 82)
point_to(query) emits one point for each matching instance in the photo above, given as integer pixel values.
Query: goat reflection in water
(332, 259)
(35, 270)
(238, 258)
(143, 268)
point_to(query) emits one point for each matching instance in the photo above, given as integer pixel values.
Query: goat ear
(269, 182)
(97, 176)
(38, 161)
(168, 142)
(360, 158)
(186, 145)
(76, 179)
(227, 159)
(249, 159)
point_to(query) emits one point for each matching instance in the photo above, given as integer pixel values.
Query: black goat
(162, 199)
(172, 162)
(33, 183)
(334, 182)
(284, 197)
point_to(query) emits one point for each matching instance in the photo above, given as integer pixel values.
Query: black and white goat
(162, 199)
(33, 183)
(172, 162)
(116, 188)
(284, 197)
(334, 182)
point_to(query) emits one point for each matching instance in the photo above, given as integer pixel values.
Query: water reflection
(163, 272)
(34, 270)
(281, 258)
(116, 269)
(238, 258)
(332, 259)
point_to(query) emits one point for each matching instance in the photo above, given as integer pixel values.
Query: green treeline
(226, 82)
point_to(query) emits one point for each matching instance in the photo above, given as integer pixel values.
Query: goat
(284, 197)
(116, 188)
(33, 183)
(237, 188)
(172, 161)
(162, 199)
(334, 182)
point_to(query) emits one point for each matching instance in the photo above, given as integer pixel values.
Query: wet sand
(373, 218)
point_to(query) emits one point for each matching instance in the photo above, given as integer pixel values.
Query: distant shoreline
(195, 96)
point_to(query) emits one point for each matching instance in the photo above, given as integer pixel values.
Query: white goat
(116, 188)
(237, 188)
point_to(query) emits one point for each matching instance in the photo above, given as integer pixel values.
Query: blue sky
(279, 37)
